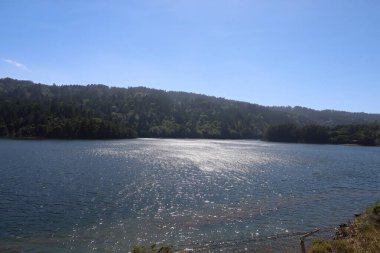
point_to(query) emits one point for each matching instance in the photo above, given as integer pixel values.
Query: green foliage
(283, 133)
(342, 246)
(363, 235)
(368, 135)
(97, 111)
(315, 134)
(320, 246)
(376, 209)
(152, 249)
(374, 214)
(100, 112)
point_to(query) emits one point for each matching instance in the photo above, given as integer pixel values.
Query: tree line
(357, 134)
(97, 111)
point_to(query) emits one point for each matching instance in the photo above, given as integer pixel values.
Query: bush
(320, 246)
(376, 209)
(341, 246)
(151, 249)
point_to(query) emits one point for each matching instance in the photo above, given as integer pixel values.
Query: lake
(208, 195)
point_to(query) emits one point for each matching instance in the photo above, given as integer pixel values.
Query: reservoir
(207, 195)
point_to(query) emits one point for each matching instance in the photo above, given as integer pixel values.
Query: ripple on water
(105, 196)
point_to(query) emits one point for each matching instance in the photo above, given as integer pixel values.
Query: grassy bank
(362, 235)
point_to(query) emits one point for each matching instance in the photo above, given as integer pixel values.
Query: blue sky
(323, 54)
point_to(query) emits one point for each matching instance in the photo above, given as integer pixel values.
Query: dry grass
(152, 249)
(362, 236)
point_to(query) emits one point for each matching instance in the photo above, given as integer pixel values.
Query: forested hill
(97, 111)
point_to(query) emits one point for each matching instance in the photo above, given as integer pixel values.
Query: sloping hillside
(98, 111)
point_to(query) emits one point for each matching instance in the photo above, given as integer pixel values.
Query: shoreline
(179, 138)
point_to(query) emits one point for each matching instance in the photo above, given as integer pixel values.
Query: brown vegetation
(363, 235)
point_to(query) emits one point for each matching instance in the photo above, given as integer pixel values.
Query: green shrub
(152, 249)
(342, 246)
(320, 246)
(376, 209)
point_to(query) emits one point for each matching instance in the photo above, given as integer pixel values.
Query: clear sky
(323, 54)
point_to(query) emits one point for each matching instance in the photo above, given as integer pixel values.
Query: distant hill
(328, 117)
(97, 111)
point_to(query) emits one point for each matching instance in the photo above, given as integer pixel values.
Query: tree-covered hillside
(358, 134)
(328, 117)
(97, 111)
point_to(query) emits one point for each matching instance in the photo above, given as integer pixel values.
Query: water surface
(104, 196)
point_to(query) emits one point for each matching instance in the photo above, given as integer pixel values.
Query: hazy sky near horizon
(321, 54)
